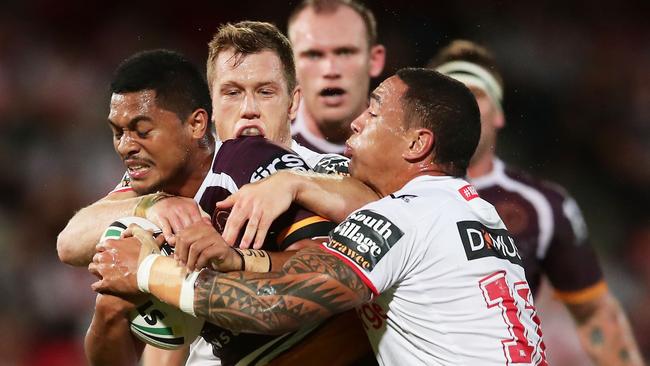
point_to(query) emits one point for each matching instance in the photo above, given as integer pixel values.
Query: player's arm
(605, 332)
(153, 356)
(76, 243)
(312, 286)
(108, 340)
(330, 196)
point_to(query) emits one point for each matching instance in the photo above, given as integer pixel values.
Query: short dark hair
(179, 85)
(464, 50)
(249, 37)
(330, 6)
(447, 108)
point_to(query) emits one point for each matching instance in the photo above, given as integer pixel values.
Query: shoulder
(322, 163)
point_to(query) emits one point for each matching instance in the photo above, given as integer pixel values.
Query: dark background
(577, 101)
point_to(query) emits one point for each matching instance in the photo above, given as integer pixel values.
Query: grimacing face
(251, 98)
(151, 141)
(334, 63)
(378, 140)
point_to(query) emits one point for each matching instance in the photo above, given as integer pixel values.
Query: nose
(357, 125)
(331, 68)
(126, 145)
(250, 109)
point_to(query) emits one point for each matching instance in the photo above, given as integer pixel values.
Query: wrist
(254, 260)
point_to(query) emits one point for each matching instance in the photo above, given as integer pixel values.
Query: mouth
(348, 151)
(332, 97)
(137, 169)
(249, 130)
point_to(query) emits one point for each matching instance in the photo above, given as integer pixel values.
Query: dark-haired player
(446, 279)
(250, 102)
(336, 52)
(545, 220)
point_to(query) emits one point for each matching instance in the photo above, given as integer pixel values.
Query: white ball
(153, 321)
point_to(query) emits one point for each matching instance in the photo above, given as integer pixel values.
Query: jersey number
(496, 292)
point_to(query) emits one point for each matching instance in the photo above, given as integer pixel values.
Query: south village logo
(365, 237)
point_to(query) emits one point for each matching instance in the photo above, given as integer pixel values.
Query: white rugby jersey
(447, 279)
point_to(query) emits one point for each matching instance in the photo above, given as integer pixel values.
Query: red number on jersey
(497, 292)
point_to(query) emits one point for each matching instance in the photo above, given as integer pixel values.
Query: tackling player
(448, 283)
(336, 52)
(250, 101)
(550, 231)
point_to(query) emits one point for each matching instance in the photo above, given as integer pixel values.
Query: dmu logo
(365, 237)
(286, 161)
(480, 242)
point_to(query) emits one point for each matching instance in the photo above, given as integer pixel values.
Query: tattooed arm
(604, 331)
(312, 286)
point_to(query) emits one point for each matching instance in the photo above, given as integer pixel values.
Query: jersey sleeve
(570, 262)
(124, 185)
(374, 245)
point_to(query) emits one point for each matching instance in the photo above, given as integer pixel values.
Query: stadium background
(577, 102)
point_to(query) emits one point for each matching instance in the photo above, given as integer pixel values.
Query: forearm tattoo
(312, 286)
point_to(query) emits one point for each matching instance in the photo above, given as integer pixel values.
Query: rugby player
(446, 279)
(250, 101)
(550, 230)
(336, 52)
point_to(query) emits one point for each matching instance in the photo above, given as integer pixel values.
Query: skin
(331, 50)
(313, 284)
(251, 97)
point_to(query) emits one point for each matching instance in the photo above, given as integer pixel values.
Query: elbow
(65, 249)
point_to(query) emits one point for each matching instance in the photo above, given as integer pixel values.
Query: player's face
(378, 138)
(491, 121)
(334, 63)
(152, 141)
(250, 97)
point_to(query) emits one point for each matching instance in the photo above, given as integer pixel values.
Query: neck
(199, 167)
(397, 180)
(335, 132)
(480, 166)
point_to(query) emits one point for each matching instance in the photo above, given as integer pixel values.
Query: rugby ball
(153, 321)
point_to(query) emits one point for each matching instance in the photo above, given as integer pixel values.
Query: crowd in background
(577, 99)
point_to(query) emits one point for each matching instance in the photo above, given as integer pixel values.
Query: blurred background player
(547, 223)
(336, 52)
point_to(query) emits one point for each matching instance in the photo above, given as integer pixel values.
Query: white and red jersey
(448, 283)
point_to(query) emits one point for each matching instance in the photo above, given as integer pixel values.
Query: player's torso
(462, 291)
(527, 213)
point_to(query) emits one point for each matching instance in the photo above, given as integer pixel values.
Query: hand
(200, 245)
(260, 203)
(172, 214)
(116, 266)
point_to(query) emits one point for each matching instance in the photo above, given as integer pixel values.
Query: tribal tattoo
(312, 286)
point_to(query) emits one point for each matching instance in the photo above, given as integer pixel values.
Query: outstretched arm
(330, 196)
(604, 331)
(76, 243)
(312, 285)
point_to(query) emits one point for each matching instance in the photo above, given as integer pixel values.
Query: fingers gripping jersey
(446, 275)
(238, 162)
(550, 232)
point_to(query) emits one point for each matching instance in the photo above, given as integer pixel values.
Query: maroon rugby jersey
(238, 162)
(549, 229)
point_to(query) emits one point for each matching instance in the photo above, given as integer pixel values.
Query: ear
(198, 123)
(295, 102)
(420, 145)
(377, 60)
(499, 119)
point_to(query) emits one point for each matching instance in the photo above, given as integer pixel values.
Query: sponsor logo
(286, 161)
(480, 242)
(468, 192)
(365, 237)
(333, 165)
(404, 197)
